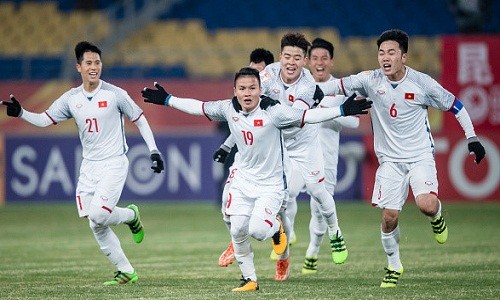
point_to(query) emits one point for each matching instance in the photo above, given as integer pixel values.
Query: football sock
(390, 242)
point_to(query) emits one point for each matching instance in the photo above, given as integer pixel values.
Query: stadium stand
(196, 38)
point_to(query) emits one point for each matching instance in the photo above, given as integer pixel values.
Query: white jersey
(399, 112)
(99, 118)
(258, 137)
(301, 90)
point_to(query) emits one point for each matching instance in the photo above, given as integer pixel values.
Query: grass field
(47, 252)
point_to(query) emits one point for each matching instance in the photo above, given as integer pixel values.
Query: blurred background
(194, 48)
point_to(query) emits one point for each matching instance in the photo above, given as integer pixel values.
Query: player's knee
(99, 215)
(259, 229)
(427, 203)
(316, 189)
(238, 233)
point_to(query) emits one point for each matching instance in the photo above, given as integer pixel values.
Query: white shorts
(101, 183)
(393, 180)
(248, 199)
(307, 159)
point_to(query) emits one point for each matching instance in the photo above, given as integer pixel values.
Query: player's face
(90, 68)
(320, 64)
(392, 60)
(247, 91)
(292, 61)
(259, 66)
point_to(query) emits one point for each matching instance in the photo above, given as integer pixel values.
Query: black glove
(158, 96)
(476, 148)
(318, 96)
(14, 108)
(220, 155)
(353, 107)
(157, 162)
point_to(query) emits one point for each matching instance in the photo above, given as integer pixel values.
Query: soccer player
(402, 140)
(259, 59)
(290, 83)
(98, 108)
(258, 188)
(321, 65)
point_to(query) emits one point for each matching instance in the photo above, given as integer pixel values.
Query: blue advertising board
(46, 168)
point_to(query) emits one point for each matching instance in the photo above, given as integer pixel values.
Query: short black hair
(322, 43)
(247, 71)
(295, 39)
(397, 35)
(83, 47)
(261, 55)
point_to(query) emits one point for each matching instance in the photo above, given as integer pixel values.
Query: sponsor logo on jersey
(235, 119)
(103, 104)
(409, 96)
(258, 123)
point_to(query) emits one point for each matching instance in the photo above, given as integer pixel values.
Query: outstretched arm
(349, 108)
(14, 109)
(161, 97)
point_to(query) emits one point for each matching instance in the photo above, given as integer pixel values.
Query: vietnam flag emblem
(102, 104)
(409, 96)
(258, 123)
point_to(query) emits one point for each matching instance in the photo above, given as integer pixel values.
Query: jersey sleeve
(436, 95)
(217, 110)
(127, 105)
(356, 83)
(59, 110)
(284, 116)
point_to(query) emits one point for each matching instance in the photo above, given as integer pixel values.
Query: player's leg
(389, 193)
(328, 209)
(317, 230)
(243, 252)
(424, 184)
(266, 222)
(227, 256)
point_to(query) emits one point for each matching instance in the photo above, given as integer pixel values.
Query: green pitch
(47, 252)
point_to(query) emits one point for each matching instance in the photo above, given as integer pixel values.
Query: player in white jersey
(98, 109)
(259, 59)
(290, 83)
(258, 188)
(403, 141)
(321, 65)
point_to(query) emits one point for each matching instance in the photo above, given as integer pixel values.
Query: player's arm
(463, 118)
(348, 121)
(221, 154)
(147, 135)
(349, 108)
(14, 109)
(161, 97)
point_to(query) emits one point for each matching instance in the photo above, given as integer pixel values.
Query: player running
(402, 140)
(98, 109)
(259, 187)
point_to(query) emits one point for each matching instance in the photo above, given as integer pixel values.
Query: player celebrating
(403, 141)
(290, 83)
(258, 188)
(98, 108)
(259, 59)
(321, 64)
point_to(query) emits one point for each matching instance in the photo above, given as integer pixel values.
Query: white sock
(390, 242)
(111, 247)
